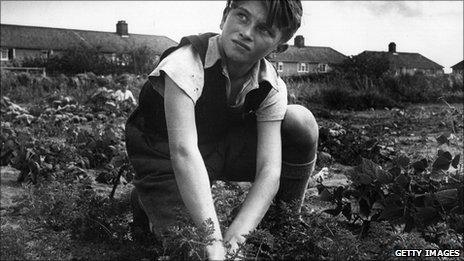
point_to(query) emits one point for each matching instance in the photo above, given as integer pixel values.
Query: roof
(458, 66)
(47, 38)
(404, 60)
(311, 54)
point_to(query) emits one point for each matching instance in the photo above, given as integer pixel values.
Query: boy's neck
(235, 70)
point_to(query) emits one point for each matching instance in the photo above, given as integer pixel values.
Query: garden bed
(68, 155)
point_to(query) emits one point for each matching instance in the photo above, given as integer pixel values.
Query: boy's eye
(265, 30)
(241, 16)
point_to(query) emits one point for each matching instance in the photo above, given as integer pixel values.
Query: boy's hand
(216, 251)
(234, 243)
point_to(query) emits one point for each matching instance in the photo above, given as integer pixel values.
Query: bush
(25, 87)
(338, 98)
(9, 81)
(139, 60)
(350, 90)
(24, 79)
(345, 98)
(413, 88)
(374, 99)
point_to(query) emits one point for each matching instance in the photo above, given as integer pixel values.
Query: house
(19, 41)
(458, 68)
(401, 63)
(299, 60)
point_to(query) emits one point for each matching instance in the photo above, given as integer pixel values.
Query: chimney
(299, 41)
(392, 47)
(121, 28)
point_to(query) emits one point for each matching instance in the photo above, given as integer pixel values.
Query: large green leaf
(402, 161)
(384, 177)
(445, 154)
(426, 215)
(391, 213)
(326, 195)
(364, 208)
(442, 139)
(443, 161)
(421, 165)
(368, 172)
(335, 211)
(402, 181)
(455, 161)
(395, 171)
(447, 198)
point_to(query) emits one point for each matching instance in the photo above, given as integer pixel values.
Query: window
(44, 54)
(280, 66)
(323, 67)
(302, 67)
(4, 56)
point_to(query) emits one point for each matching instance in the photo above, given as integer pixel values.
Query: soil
(412, 131)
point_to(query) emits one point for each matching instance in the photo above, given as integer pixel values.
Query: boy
(123, 93)
(214, 108)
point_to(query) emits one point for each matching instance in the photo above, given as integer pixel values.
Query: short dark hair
(122, 79)
(285, 14)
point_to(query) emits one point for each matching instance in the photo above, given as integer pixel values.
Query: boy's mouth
(244, 46)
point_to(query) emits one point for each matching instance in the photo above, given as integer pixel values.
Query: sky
(431, 28)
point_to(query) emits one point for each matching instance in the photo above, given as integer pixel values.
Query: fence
(27, 69)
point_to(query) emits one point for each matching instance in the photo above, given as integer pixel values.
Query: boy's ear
(281, 48)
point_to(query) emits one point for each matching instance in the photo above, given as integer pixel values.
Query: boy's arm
(189, 168)
(131, 97)
(266, 185)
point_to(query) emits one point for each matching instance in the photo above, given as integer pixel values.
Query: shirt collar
(261, 71)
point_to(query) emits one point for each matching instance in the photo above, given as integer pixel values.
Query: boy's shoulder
(191, 44)
(174, 65)
(269, 73)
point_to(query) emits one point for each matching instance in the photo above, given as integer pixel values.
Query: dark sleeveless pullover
(213, 116)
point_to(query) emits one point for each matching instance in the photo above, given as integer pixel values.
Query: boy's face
(246, 38)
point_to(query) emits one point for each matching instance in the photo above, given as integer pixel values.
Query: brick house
(458, 68)
(402, 63)
(299, 60)
(19, 41)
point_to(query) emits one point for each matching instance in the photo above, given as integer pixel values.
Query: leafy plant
(414, 194)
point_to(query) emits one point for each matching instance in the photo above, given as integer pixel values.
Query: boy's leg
(155, 197)
(158, 194)
(300, 134)
(299, 146)
(161, 204)
(140, 219)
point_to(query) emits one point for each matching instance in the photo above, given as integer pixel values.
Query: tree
(143, 60)
(372, 66)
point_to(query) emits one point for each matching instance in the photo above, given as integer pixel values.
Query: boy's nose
(246, 33)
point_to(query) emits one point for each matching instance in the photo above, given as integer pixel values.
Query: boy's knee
(300, 129)
(300, 125)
